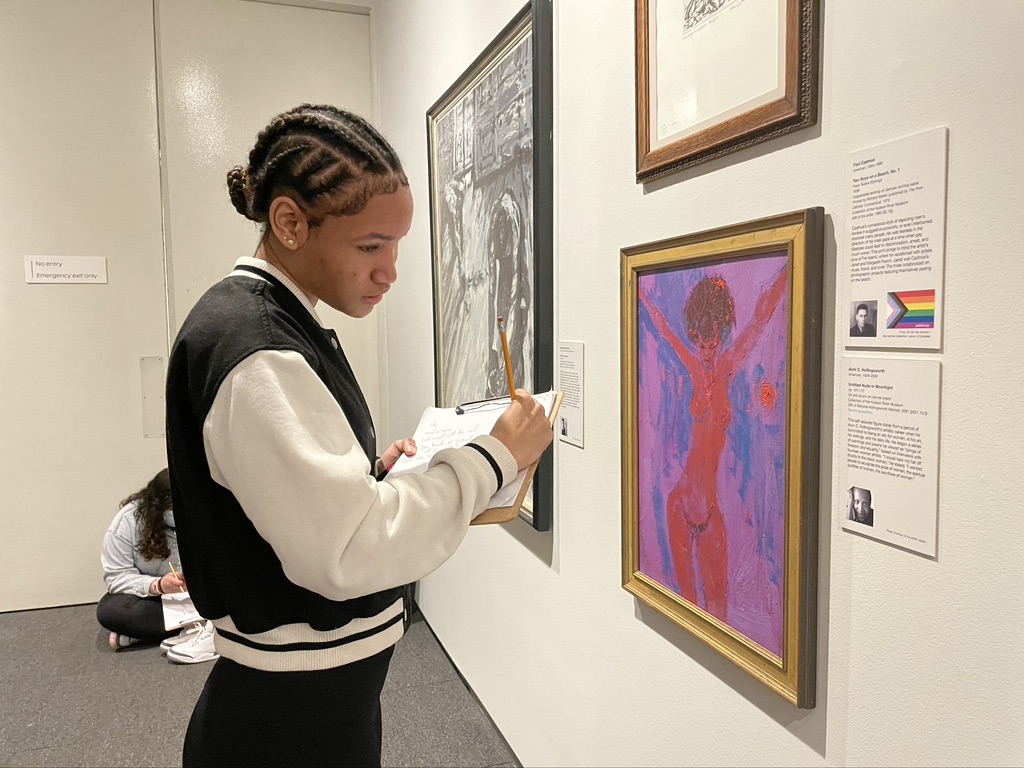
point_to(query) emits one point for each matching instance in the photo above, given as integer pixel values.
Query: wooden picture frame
(489, 142)
(715, 76)
(721, 340)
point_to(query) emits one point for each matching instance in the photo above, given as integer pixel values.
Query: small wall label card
(65, 269)
(890, 450)
(569, 426)
(893, 291)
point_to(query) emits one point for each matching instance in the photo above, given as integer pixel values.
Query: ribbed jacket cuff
(502, 457)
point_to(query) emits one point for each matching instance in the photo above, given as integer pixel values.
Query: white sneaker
(197, 649)
(184, 636)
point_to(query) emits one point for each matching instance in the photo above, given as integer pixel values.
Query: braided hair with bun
(328, 160)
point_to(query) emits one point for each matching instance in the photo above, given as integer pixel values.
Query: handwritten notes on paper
(442, 428)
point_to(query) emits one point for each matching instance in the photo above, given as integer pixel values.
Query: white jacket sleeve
(277, 439)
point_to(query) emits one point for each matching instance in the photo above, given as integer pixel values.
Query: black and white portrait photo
(860, 509)
(863, 318)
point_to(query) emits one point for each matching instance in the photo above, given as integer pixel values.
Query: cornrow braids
(330, 161)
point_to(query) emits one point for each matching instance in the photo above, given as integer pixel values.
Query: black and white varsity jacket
(288, 543)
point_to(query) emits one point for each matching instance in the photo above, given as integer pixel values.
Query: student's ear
(288, 223)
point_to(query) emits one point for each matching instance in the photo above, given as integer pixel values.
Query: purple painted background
(750, 479)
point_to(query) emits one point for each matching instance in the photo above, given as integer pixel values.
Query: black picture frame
(490, 153)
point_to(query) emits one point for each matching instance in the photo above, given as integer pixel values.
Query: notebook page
(441, 428)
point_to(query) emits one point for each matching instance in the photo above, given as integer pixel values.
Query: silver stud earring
(289, 241)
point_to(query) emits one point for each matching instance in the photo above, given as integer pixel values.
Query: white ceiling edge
(325, 5)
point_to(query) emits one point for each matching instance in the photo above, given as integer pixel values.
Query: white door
(79, 177)
(226, 68)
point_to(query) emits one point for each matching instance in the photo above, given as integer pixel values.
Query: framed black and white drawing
(715, 76)
(490, 152)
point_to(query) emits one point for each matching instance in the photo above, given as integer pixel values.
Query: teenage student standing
(293, 546)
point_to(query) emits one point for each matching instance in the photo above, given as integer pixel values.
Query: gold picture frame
(721, 340)
(715, 76)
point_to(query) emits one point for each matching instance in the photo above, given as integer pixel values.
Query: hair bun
(237, 192)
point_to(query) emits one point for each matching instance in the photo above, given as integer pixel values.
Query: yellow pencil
(508, 359)
(181, 589)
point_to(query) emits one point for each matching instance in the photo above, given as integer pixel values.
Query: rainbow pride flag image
(911, 309)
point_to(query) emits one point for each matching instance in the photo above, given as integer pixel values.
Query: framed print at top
(490, 152)
(714, 76)
(721, 335)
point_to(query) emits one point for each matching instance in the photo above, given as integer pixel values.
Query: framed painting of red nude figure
(721, 340)
(715, 76)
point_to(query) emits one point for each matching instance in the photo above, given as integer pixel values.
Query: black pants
(138, 617)
(247, 717)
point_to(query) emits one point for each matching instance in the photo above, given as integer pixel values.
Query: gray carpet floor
(68, 700)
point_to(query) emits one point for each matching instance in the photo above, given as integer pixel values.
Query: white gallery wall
(79, 177)
(227, 67)
(919, 660)
(87, 113)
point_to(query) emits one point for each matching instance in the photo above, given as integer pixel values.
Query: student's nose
(386, 271)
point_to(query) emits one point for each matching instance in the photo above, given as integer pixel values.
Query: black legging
(248, 717)
(138, 617)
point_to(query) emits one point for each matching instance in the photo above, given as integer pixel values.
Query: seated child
(138, 550)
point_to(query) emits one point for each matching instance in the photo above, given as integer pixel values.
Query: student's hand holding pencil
(524, 429)
(174, 581)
